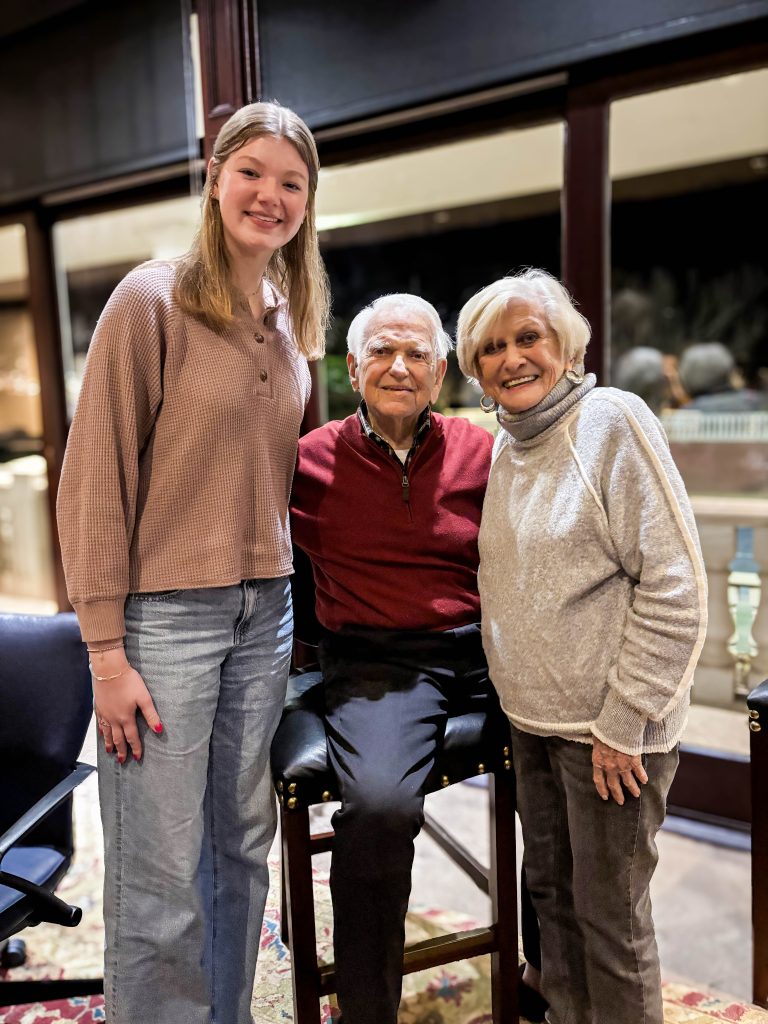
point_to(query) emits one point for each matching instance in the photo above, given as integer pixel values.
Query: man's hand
(611, 769)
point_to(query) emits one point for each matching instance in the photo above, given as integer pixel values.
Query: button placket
(259, 333)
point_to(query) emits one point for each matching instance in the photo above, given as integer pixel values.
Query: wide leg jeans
(188, 828)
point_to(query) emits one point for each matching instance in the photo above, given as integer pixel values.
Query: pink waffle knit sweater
(180, 456)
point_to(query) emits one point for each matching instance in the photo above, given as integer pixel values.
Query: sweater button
(263, 376)
(259, 337)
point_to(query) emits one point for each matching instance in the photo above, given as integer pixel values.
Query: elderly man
(387, 505)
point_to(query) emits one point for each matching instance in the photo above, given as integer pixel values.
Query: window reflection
(689, 305)
(94, 253)
(440, 222)
(26, 560)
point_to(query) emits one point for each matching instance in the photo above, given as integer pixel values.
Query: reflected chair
(45, 695)
(474, 744)
(757, 703)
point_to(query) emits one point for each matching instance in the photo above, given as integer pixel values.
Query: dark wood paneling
(677, 62)
(586, 203)
(336, 63)
(712, 786)
(229, 59)
(370, 139)
(21, 15)
(44, 309)
(313, 414)
(95, 94)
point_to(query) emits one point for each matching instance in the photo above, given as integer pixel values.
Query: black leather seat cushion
(300, 753)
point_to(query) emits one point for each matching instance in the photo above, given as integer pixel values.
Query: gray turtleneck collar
(524, 426)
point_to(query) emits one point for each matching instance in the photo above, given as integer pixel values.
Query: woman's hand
(611, 768)
(116, 701)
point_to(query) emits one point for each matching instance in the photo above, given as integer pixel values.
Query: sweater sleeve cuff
(101, 620)
(620, 725)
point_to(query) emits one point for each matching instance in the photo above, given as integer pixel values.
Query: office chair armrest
(44, 807)
(47, 906)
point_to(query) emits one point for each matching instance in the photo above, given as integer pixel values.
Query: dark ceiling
(19, 15)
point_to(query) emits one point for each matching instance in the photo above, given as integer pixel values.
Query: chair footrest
(444, 949)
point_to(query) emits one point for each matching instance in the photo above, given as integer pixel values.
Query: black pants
(388, 695)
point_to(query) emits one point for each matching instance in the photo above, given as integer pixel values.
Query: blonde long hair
(204, 286)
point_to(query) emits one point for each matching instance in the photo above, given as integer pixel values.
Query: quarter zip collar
(423, 425)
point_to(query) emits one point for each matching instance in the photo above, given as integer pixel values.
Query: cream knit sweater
(591, 580)
(181, 453)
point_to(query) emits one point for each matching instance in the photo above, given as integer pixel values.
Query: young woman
(173, 517)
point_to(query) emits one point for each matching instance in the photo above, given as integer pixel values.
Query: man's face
(398, 373)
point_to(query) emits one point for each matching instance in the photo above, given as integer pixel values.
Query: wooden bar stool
(474, 744)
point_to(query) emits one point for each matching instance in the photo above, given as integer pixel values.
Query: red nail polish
(137, 757)
(120, 759)
(158, 728)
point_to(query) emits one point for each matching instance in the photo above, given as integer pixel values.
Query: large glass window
(689, 170)
(26, 561)
(440, 222)
(93, 253)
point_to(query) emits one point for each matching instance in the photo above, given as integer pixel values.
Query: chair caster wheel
(13, 953)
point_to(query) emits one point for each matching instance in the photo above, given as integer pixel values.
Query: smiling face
(262, 191)
(397, 373)
(521, 360)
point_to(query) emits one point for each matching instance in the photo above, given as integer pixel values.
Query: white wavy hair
(399, 305)
(481, 312)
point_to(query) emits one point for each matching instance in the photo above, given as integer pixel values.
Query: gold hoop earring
(484, 399)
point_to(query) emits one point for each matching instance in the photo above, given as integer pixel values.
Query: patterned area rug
(456, 994)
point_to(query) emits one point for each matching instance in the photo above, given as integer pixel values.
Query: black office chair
(45, 697)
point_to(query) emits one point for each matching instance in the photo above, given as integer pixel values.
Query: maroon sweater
(380, 561)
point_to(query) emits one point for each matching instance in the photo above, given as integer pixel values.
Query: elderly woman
(387, 505)
(594, 609)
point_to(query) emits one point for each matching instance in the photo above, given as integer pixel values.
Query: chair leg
(759, 768)
(300, 914)
(503, 893)
(285, 932)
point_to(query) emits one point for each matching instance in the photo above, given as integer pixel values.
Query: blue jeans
(187, 830)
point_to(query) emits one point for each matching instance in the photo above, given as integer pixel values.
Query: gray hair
(705, 366)
(641, 371)
(400, 303)
(480, 313)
